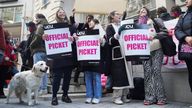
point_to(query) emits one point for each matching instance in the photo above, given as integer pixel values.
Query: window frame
(14, 14)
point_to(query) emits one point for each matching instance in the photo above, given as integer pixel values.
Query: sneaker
(95, 101)
(118, 101)
(42, 92)
(125, 100)
(54, 101)
(88, 100)
(66, 99)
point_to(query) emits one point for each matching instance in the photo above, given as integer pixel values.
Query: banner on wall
(134, 42)
(173, 62)
(57, 41)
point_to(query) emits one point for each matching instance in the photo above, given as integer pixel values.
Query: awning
(99, 6)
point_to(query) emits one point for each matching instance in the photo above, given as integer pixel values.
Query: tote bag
(185, 51)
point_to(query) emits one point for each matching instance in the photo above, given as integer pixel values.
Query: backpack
(168, 46)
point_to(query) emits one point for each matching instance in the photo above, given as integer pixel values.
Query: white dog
(27, 80)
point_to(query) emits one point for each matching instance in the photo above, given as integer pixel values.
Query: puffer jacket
(38, 44)
(9, 52)
(184, 26)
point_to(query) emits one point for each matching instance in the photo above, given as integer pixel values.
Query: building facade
(49, 7)
(133, 6)
(15, 14)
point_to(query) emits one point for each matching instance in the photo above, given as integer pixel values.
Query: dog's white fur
(27, 80)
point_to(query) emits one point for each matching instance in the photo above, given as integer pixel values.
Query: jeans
(1, 56)
(41, 56)
(93, 85)
(14, 70)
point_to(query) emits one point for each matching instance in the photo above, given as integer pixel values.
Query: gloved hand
(121, 29)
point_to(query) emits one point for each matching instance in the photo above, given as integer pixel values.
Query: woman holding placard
(62, 65)
(92, 68)
(116, 61)
(153, 81)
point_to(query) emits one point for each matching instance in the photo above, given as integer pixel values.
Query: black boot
(66, 99)
(2, 96)
(54, 101)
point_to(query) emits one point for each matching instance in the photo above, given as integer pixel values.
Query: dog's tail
(18, 84)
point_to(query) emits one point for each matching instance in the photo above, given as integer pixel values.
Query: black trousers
(3, 75)
(189, 67)
(59, 73)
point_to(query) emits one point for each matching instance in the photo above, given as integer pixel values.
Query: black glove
(121, 29)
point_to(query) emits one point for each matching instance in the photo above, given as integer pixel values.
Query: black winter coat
(117, 67)
(184, 26)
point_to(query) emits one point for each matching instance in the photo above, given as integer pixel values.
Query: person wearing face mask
(5, 66)
(81, 26)
(175, 12)
(116, 62)
(163, 14)
(93, 69)
(153, 81)
(183, 32)
(62, 64)
(37, 48)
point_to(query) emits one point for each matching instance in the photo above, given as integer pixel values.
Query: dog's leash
(20, 64)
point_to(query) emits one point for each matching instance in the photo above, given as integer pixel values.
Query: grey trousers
(120, 93)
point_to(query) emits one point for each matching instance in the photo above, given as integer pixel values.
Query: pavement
(79, 102)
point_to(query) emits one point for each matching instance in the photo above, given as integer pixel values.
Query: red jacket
(2, 39)
(9, 52)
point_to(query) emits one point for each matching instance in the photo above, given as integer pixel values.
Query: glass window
(18, 14)
(11, 14)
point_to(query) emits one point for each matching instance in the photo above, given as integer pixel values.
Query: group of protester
(8, 58)
(112, 62)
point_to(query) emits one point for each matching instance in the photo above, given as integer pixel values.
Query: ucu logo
(81, 33)
(48, 27)
(129, 26)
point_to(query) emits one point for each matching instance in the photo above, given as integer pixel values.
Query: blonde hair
(60, 20)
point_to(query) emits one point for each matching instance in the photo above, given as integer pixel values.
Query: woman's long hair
(61, 20)
(111, 15)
